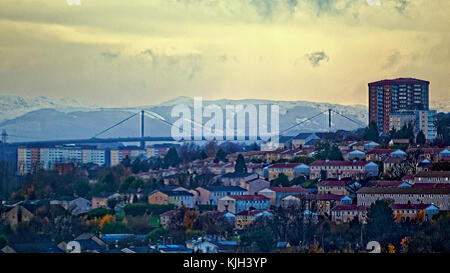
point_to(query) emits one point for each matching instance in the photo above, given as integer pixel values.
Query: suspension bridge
(142, 139)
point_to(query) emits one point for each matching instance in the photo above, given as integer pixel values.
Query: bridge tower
(4, 136)
(142, 129)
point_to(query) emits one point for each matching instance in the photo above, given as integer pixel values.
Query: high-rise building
(388, 96)
(421, 120)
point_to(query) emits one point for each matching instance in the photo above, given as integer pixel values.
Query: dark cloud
(109, 55)
(315, 58)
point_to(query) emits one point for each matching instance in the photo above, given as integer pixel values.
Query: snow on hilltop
(12, 106)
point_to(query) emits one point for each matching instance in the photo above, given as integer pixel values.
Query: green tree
(220, 156)
(380, 219)
(115, 228)
(371, 132)
(282, 180)
(420, 138)
(172, 159)
(240, 166)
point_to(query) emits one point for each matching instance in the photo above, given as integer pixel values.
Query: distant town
(310, 192)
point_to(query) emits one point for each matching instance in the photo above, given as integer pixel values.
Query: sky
(143, 52)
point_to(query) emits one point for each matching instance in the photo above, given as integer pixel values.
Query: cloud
(315, 58)
(109, 55)
(401, 5)
(392, 60)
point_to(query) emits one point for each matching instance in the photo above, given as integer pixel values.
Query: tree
(420, 138)
(240, 166)
(420, 243)
(172, 159)
(371, 132)
(3, 241)
(221, 156)
(282, 180)
(380, 219)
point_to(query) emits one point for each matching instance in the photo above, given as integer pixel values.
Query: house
(210, 195)
(171, 249)
(390, 163)
(100, 200)
(332, 187)
(370, 145)
(158, 197)
(378, 154)
(238, 203)
(321, 203)
(440, 197)
(301, 139)
(166, 217)
(79, 206)
(399, 141)
(255, 185)
(256, 168)
(444, 155)
(431, 177)
(385, 183)
(181, 198)
(342, 169)
(346, 213)
(431, 154)
(237, 179)
(412, 211)
(247, 217)
(90, 243)
(356, 155)
(220, 168)
(18, 213)
(276, 194)
(291, 170)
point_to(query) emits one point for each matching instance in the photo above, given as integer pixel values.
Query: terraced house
(238, 203)
(440, 197)
(342, 169)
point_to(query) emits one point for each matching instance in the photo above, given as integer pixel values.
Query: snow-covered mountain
(47, 118)
(12, 106)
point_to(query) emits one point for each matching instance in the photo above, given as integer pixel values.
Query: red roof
(339, 163)
(392, 183)
(399, 81)
(393, 160)
(249, 212)
(332, 183)
(285, 165)
(431, 185)
(323, 196)
(248, 197)
(380, 151)
(288, 189)
(349, 207)
(409, 206)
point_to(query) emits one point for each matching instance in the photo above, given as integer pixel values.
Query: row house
(276, 194)
(321, 203)
(255, 185)
(346, 213)
(291, 170)
(257, 168)
(439, 197)
(411, 211)
(238, 203)
(237, 179)
(378, 154)
(431, 177)
(210, 195)
(431, 154)
(221, 168)
(390, 163)
(247, 217)
(342, 169)
(332, 187)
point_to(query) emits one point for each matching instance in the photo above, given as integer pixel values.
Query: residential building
(439, 197)
(247, 217)
(342, 169)
(291, 170)
(238, 203)
(332, 187)
(158, 197)
(388, 96)
(276, 194)
(210, 195)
